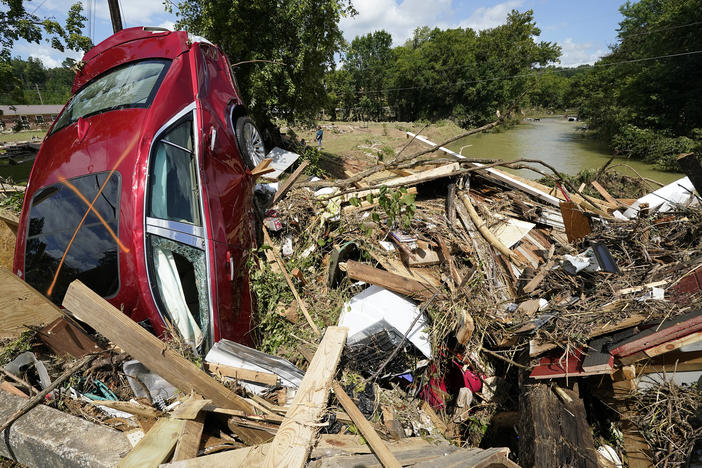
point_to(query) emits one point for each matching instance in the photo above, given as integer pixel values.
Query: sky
(583, 29)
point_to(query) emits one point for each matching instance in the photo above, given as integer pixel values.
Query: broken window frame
(190, 235)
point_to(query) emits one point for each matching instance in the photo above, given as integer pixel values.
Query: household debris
(449, 305)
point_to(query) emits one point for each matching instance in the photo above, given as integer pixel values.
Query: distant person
(319, 136)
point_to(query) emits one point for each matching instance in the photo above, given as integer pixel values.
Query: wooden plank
(366, 428)
(92, 309)
(288, 183)
(222, 370)
(674, 361)
(156, 446)
(426, 276)
(262, 168)
(8, 387)
(605, 194)
(136, 409)
(635, 447)
(294, 438)
(21, 305)
(189, 440)
(362, 272)
(673, 344)
(406, 457)
(10, 218)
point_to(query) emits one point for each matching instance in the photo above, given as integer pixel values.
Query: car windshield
(131, 85)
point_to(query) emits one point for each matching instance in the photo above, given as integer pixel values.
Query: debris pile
(460, 314)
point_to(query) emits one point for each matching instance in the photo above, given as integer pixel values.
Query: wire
(643, 33)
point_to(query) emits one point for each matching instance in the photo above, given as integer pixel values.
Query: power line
(643, 33)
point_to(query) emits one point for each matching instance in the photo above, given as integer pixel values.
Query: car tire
(250, 142)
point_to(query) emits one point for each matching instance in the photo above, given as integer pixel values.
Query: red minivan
(142, 188)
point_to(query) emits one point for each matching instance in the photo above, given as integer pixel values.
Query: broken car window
(91, 256)
(131, 85)
(173, 187)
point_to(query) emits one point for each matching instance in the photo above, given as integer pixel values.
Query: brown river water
(557, 142)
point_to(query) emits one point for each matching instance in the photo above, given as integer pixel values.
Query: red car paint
(121, 139)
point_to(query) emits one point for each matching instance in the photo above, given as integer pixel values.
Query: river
(556, 142)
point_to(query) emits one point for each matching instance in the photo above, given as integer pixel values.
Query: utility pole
(40, 99)
(115, 15)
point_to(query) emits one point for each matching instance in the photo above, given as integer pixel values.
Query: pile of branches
(668, 416)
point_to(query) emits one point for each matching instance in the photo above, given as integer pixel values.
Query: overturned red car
(142, 188)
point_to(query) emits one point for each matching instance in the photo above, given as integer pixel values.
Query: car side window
(174, 192)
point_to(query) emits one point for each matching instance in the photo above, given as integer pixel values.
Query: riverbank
(554, 140)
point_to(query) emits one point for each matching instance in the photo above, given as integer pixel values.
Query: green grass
(24, 135)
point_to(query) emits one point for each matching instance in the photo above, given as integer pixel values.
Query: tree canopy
(300, 36)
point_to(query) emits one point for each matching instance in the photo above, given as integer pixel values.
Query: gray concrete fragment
(46, 437)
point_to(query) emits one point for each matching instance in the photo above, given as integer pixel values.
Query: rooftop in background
(35, 109)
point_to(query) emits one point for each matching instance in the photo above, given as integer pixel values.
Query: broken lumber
(366, 428)
(605, 194)
(21, 305)
(482, 227)
(92, 309)
(10, 219)
(156, 446)
(553, 432)
(396, 283)
(293, 441)
(189, 439)
(262, 168)
(287, 185)
(284, 271)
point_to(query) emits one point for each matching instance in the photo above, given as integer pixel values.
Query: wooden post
(115, 15)
(690, 165)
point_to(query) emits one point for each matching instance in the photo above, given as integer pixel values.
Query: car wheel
(250, 142)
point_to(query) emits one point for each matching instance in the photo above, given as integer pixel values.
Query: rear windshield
(131, 85)
(60, 249)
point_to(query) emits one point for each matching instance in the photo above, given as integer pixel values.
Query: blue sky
(584, 29)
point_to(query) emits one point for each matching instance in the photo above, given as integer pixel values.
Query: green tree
(17, 23)
(300, 36)
(366, 60)
(341, 94)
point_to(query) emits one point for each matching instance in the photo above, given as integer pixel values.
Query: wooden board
(189, 440)
(62, 337)
(494, 457)
(362, 272)
(577, 225)
(366, 429)
(156, 446)
(190, 408)
(294, 438)
(92, 309)
(10, 219)
(426, 276)
(21, 305)
(288, 183)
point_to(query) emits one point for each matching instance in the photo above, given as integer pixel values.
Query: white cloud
(399, 19)
(47, 60)
(490, 17)
(50, 57)
(168, 25)
(579, 53)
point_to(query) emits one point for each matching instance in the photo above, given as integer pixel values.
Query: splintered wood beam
(605, 194)
(189, 440)
(263, 168)
(396, 283)
(111, 323)
(487, 234)
(366, 428)
(156, 446)
(293, 441)
(222, 370)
